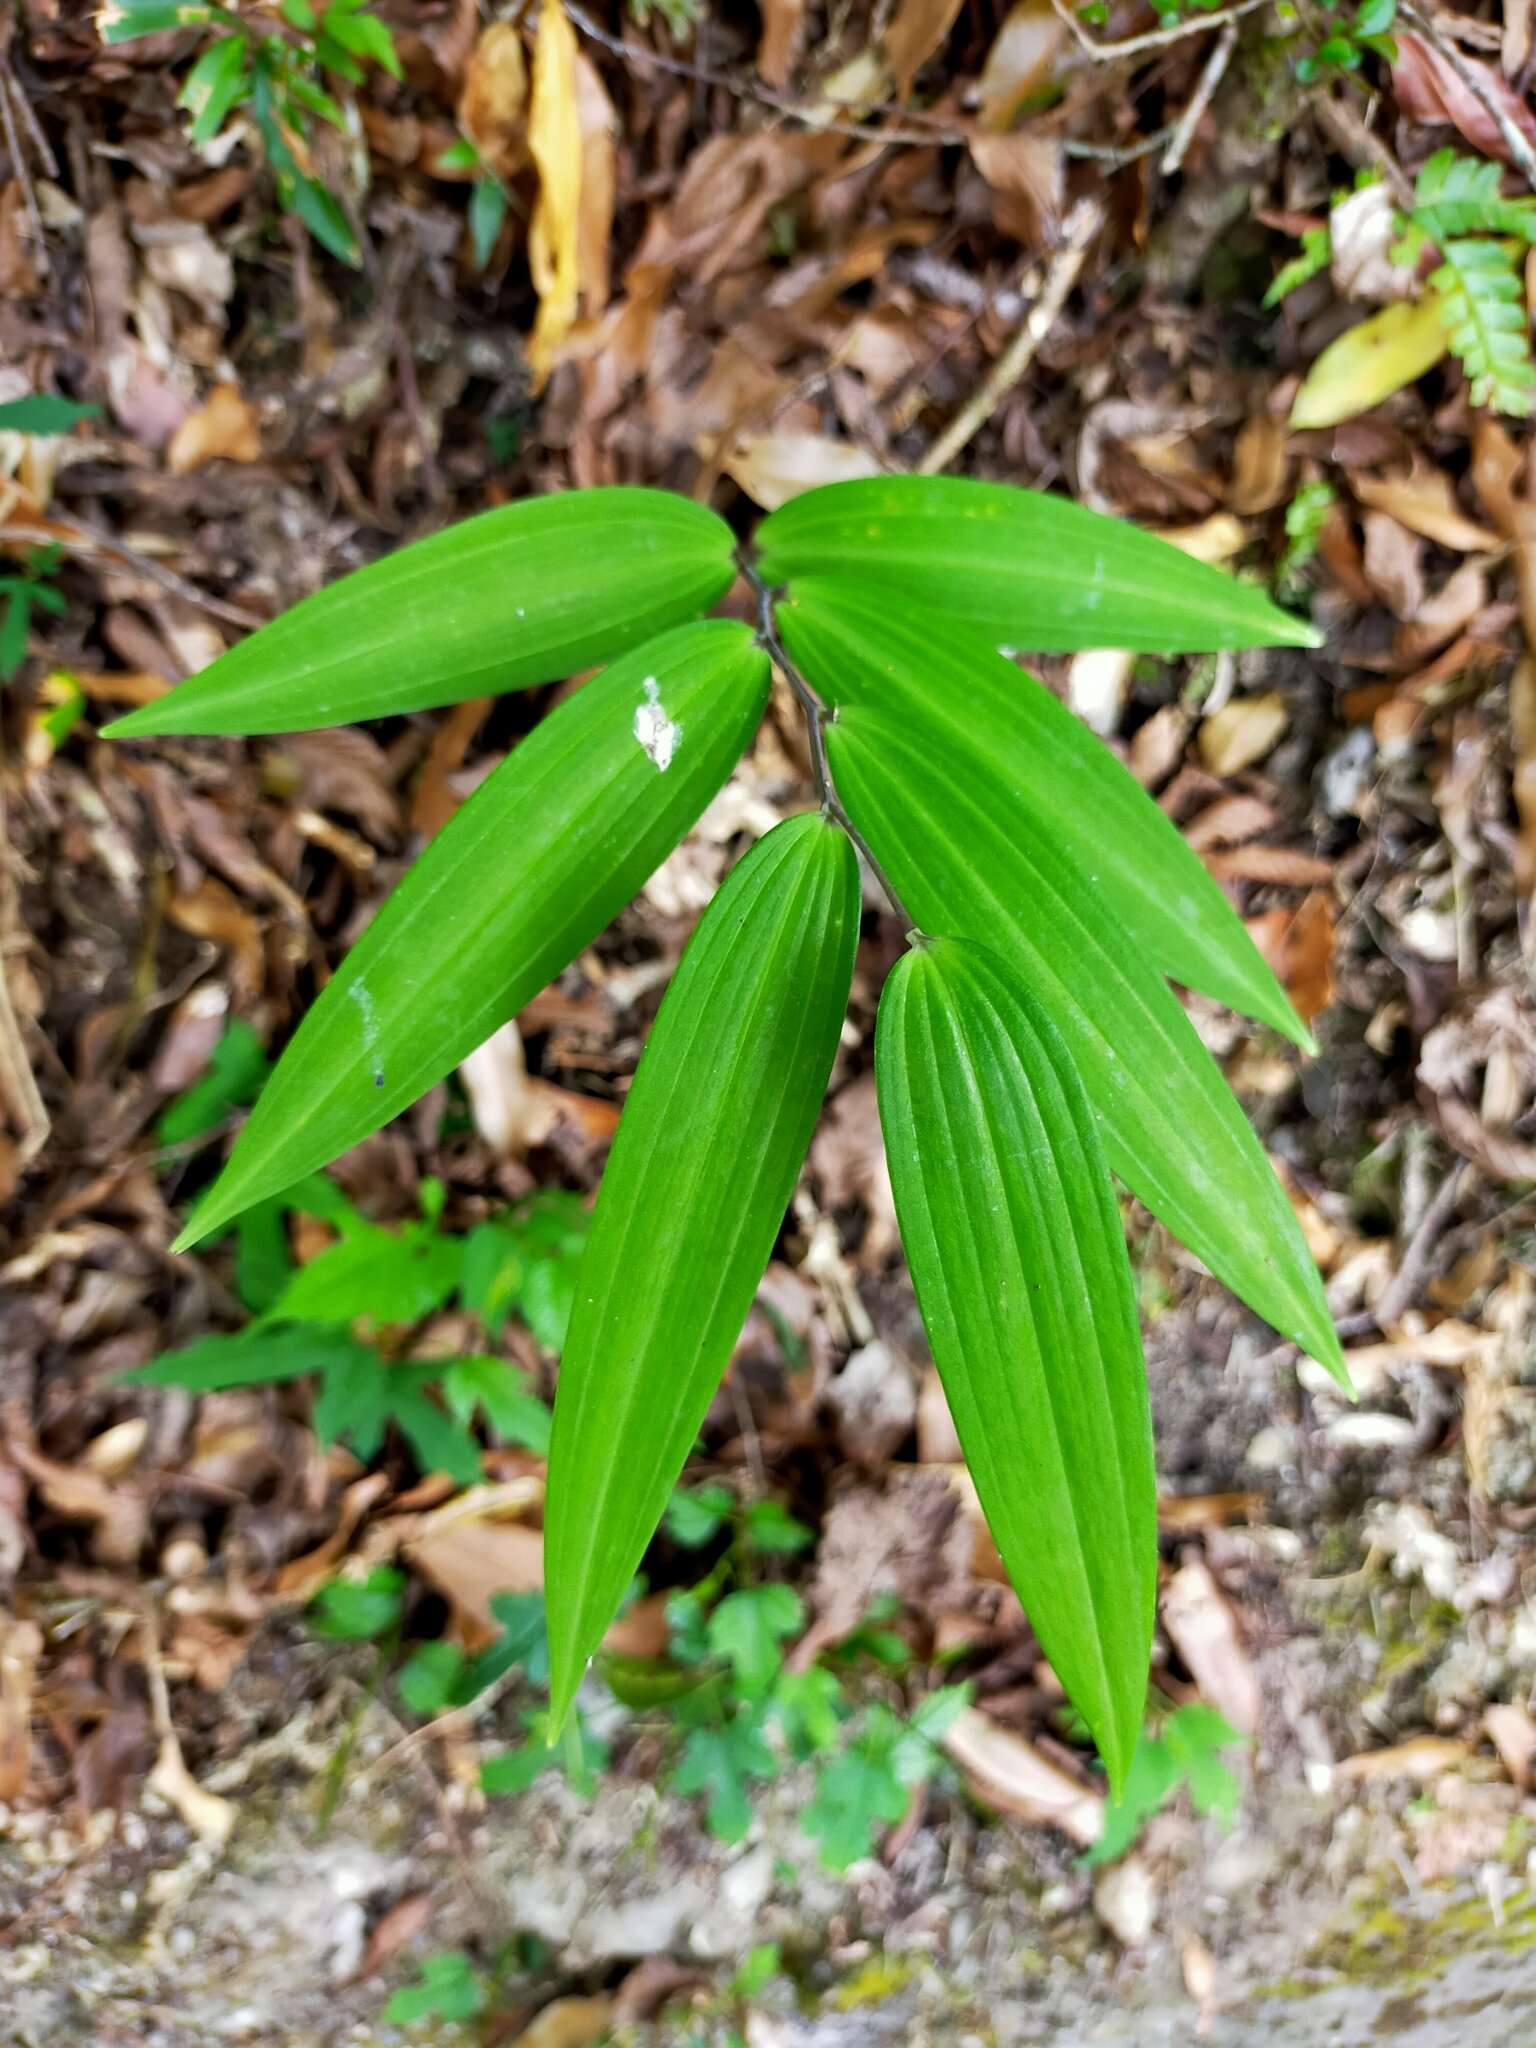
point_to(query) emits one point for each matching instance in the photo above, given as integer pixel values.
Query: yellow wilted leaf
(1369, 362)
(554, 137)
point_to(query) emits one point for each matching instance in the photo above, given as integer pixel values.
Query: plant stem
(816, 717)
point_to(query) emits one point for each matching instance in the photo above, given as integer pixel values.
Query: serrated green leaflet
(1024, 569)
(543, 855)
(1017, 1253)
(711, 1141)
(970, 861)
(858, 650)
(522, 595)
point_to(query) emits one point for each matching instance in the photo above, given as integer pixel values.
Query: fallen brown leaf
(493, 105)
(1424, 500)
(568, 2023)
(223, 427)
(1008, 1773)
(1203, 1629)
(1241, 732)
(1422, 1757)
(554, 138)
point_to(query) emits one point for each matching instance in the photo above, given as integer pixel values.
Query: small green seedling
(29, 590)
(1185, 1752)
(447, 1987)
(282, 78)
(1028, 1046)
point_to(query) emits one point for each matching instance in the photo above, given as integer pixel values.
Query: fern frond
(1482, 303)
(1460, 195)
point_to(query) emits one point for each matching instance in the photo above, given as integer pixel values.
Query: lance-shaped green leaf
(708, 1149)
(522, 595)
(549, 848)
(864, 648)
(971, 860)
(1017, 1253)
(1025, 569)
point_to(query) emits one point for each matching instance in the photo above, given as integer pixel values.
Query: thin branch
(816, 715)
(1081, 225)
(1515, 141)
(1154, 38)
(19, 169)
(923, 131)
(1213, 72)
(81, 538)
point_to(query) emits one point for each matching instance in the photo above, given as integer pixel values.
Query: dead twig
(1078, 230)
(1522, 155)
(1353, 139)
(1211, 75)
(81, 538)
(1154, 38)
(922, 131)
(19, 169)
(1402, 1289)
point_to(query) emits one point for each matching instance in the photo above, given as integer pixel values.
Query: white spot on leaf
(358, 993)
(657, 734)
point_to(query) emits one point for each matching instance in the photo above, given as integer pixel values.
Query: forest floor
(803, 242)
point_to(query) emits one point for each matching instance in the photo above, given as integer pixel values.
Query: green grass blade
(877, 649)
(1018, 1257)
(1025, 569)
(550, 847)
(970, 862)
(522, 595)
(704, 1164)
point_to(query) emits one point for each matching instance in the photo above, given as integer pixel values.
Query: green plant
(42, 413)
(1305, 517)
(30, 589)
(1184, 1751)
(279, 76)
(1028, 1045)
(1341, 34)
(1480, 236)
(447, 1987)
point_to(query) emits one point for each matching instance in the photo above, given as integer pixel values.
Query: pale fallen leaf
(1008, 1773)
(493, 106)
(1422, 1758)
(1451, 610)
(594, 223)
(1098, 679)
(1394, 565)
(1522, 721)
(1363, 231)
(1021, 62)
(1199, 1970)
(1260, 466)
(554, 138)
(1027, 172)
(495, 1077)
(772, 468)
(21, 1644)
(779, 43)
(568, 2023)
(1242, 731)
(1512, 1732)
(1125, 1899)
(473, 1549)
(916, 31)
(1214, 540)
(1370, 361)
(208, 1816)
(1424, 500)
(225, 426)
(1203, 1629)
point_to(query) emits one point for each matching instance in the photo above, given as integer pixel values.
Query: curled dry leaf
(599, 175)
(225, 426)
(1428, 87)
(1260, 466)
(1363, 232)
(1393, 565)
(1125, 1900)
(1011, 1775)
(1424, 500)
(1299, 946)
(569, 2023)
(21, 1644)
(554, 138)
(493, 106)
(772, 468)
(1203, 1629)
(1242, 731)
(1026, 171)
